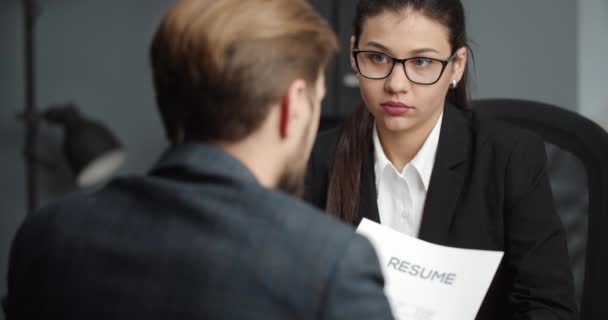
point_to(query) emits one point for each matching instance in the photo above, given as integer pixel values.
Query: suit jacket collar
(192, 160)
(368, 200)
(448, 177)
(446, 180)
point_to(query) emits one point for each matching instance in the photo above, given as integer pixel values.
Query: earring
(454, 84)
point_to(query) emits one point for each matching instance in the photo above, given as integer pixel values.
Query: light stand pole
(30, 115)
(91, 149)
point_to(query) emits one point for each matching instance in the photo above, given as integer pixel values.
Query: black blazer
(198, 238)
(489, 190)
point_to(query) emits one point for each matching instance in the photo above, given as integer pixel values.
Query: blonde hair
(219, 64)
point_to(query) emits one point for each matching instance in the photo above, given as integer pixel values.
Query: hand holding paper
(425, 281)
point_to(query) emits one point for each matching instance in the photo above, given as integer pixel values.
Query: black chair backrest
(576, 143)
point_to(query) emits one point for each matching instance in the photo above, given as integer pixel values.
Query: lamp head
(92, 151)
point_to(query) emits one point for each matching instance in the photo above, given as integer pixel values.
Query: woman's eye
(422, 62)
(375, 57)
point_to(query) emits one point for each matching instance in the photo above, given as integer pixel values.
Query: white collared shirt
(401, 195)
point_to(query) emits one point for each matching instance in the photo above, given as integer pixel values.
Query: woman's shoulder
(501, 135)
(327, 139)
(325, 144)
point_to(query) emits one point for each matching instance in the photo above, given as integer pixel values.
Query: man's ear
(284, 109)
(290, 107)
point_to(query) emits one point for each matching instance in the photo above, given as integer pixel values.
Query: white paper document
(425, 281)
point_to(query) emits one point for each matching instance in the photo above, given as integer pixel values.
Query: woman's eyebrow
(424, 50)
(377, 45)
(413, 52)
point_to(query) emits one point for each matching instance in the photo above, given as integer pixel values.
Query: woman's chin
(397, 124)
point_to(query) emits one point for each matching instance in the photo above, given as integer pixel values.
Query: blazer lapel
(447, 178)
(368, 204)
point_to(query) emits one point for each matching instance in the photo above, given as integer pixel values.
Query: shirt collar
(200, 159)
(380, 159)
(423, 161)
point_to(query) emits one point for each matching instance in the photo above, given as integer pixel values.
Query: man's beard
(291, 180)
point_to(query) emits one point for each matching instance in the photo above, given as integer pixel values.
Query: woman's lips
(395, 108)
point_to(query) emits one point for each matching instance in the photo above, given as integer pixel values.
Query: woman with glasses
(415, 158)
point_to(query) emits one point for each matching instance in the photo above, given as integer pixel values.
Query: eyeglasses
(421, 70)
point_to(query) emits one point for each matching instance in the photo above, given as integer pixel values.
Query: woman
(416, 159)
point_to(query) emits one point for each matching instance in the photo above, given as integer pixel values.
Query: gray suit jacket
(197, 238)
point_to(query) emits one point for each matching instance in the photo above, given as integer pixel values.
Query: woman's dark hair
(354, 141)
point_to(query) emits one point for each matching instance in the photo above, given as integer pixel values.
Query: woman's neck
(400, 147)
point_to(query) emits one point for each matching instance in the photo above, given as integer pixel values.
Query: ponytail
(353, 145)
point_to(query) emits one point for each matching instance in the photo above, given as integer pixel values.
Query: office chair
(577, 151)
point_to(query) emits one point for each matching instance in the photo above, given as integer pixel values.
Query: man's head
(236, 73)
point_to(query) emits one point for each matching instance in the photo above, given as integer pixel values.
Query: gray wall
(593, 52)
(525, 49)
(11, 169)
(95, 54)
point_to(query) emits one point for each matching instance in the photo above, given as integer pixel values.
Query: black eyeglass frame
(444, 64)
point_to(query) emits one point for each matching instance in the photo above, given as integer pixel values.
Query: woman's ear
(460, 63)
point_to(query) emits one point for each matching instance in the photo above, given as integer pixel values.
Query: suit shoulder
(502, 135)
(322, 156)
(326, 141)
(65, 205)
(41, 229)
(69, 212)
